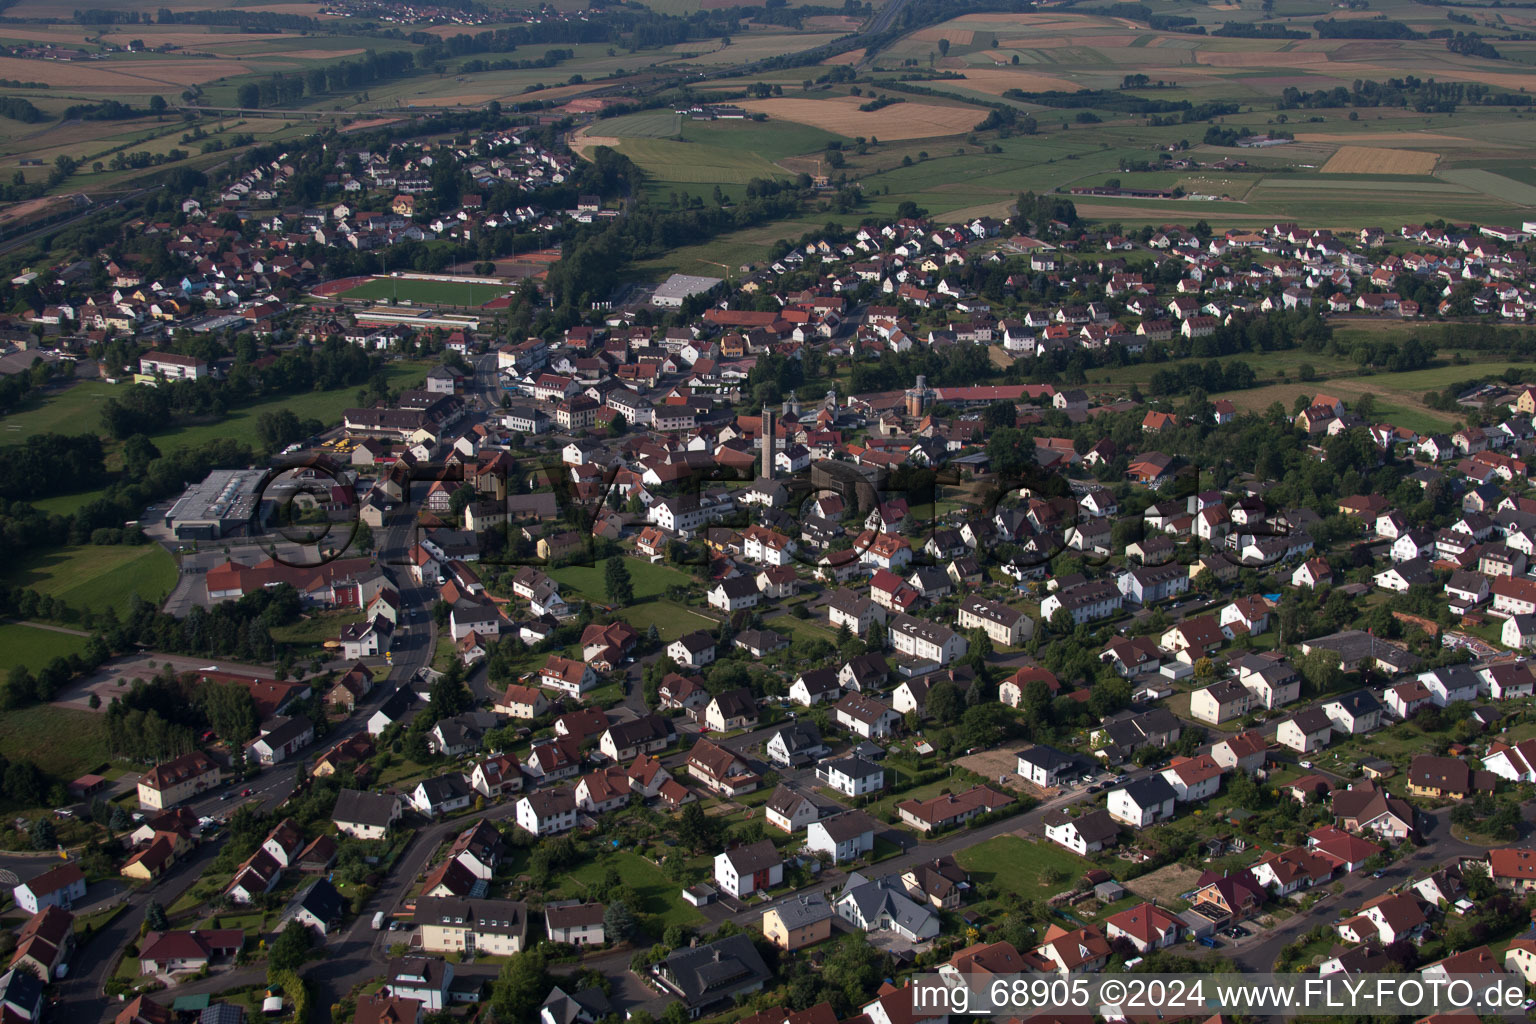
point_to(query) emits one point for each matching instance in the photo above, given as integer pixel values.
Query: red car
(246, 792)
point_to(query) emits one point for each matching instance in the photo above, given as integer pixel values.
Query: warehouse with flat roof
(671, 293)
(223, 505)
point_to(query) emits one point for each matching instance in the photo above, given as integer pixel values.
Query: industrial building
(671, 292)
(223, 505)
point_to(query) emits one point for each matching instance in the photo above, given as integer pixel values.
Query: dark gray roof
(641, 730)
(585, 1004)
(804, 910)
(753, 857)
(853, 766)
(503, 917)
(714, 972)
(1358, 702)
(885, 896)
(848, 825)
(819, 680)
(354, 806)
(323, 901)
(1147, 792)
(1049, 758)
(800, 736)
(445, 787)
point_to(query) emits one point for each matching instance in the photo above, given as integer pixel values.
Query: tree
(945, 703)
(120, 821)
(1321, 671)
(521, 987)
(697, 829)
(43, 835)
(154, 917)
(1011, 451)
(291, 949)
(617, 583)
(619, 922)
(449, 695)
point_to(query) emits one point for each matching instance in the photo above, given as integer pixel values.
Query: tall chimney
(768, 443)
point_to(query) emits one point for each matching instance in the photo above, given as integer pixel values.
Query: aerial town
(419, 613)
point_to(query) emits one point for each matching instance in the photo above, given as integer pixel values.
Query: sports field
(426, 293)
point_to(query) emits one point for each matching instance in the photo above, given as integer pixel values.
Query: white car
(1305, 764)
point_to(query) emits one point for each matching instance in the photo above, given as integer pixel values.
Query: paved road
(1259, 952)
(81, 993)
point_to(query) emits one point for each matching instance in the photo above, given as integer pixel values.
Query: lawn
(34, 647)
(427, 293)
(801, 629)
(654, 893)
(316, 628)
(671, 619)
(37, 734)
(1021, 866)
(97, 576)
(648, 579)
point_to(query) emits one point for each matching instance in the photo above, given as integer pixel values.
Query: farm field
(96, 576)
(667, 160)
(1370, 160)
(707, 152)
(842, 116)
(426, 293)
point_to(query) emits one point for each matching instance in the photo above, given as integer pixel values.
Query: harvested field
(1166, 884)
(374, 122)
(956, 36)
(842, 116)
(1036, 43)
(1370, 160)
(310, 9)
(831, 23)
(124, 76)
(306, 54)
(589, 104)
(29, 208)
(1382, 141)
(996, 81)
(191, 37)
(851, 57)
